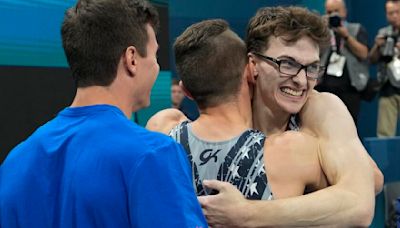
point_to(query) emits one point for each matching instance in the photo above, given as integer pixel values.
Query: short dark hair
(290, 23)
(210, 60)
(95, 33)
(174, 81)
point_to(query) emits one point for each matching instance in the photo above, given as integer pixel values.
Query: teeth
(292, 92)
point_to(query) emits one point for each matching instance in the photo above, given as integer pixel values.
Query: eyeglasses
(292, 68)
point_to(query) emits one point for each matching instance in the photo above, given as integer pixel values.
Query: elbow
(379, 180)
(364, 55)
(364, 215)
(363, 210)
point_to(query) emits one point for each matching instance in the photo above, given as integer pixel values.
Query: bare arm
(325, 115)
(349, 201)
(359, 49)
(164, 120)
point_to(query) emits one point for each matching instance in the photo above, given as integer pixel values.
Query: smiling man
(284, 46)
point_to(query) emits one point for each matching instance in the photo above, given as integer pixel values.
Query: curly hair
(289, 23)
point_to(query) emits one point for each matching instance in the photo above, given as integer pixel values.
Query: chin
(291, 106)
(143, 104)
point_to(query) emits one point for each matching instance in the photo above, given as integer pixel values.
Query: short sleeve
(362, 36)
(161, 191)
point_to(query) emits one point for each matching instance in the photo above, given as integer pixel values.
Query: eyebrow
(295, 60)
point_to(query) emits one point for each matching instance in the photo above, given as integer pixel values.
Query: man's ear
(130, 57)
(252, 69)
(185, 91)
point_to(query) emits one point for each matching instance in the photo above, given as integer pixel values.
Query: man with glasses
(291, 68)
(283, 77)
(284, 46)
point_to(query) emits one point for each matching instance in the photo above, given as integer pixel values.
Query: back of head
(95, 33)
(288, 23)
(210, 60)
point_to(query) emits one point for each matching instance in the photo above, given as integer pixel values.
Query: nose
(300, 78)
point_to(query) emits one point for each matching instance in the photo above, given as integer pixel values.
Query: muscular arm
(349, 201)
(326, 116)
(164, 120)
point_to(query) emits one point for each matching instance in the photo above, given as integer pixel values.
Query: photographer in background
(177, 94)
(347, 70)
(385, 53)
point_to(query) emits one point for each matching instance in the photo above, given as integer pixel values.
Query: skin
(177, 96)
(270, 102)
(351, 181)
(305, 169)
(275, 98)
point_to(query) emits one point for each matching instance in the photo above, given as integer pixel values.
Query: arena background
(35, 82)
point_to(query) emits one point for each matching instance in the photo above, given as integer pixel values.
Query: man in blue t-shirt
(91, 166)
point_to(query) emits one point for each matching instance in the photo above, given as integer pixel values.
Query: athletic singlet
(294, 123)
(238, 161)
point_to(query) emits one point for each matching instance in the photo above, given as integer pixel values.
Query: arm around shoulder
(326, 116)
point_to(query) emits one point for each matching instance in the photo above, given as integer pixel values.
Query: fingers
(215, 184)
(203, 200)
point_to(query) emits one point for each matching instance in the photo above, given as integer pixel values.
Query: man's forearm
(374, 54)
(330, 206)
(359, 49)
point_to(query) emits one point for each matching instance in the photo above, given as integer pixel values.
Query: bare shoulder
(293, 141)
(324, 102)
(164, 120)
(325, 115)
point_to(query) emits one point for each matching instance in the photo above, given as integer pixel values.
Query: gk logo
(208, 154)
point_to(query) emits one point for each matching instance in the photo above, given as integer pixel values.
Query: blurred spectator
(347, 71)
(176, 94)
(385, 52)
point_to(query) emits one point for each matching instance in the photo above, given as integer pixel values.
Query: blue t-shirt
(92, 167)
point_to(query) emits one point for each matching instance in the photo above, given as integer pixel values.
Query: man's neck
(94, 95)
(269, 121)
(223, 122)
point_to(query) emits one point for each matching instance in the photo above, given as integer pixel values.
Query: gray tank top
(238, 161)
(294, 123)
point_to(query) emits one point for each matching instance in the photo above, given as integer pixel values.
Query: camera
(335, 21)
(387, 50)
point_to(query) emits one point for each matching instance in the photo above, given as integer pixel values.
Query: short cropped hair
(288, 23)
(210, 60)
(174, 82)
(95, 34)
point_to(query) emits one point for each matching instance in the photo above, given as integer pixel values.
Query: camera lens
(334, 21)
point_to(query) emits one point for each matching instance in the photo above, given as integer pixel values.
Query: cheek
(311, 84)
